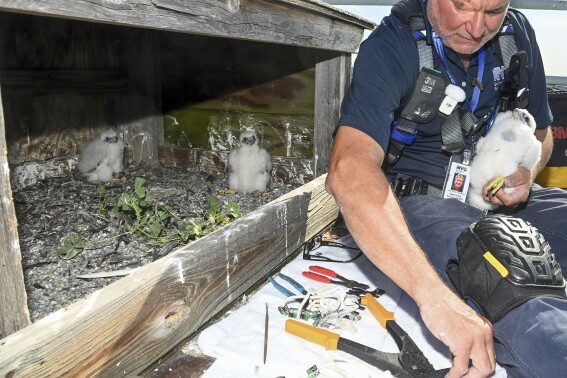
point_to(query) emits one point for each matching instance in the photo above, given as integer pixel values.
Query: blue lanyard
(441, 52)
(492, 119)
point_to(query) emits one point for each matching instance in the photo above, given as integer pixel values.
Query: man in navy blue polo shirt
(412, 240)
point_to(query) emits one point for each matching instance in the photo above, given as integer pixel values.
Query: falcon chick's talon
(495, 185)
(226, 191)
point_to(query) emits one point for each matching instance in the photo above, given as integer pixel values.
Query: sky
(550, 27)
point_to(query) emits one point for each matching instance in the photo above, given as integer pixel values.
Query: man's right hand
(468, 336)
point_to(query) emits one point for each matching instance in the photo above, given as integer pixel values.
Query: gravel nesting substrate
(52, 209)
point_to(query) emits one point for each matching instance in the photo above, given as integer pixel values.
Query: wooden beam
(314, 24)
(126, 326)
(14, 313)
(27, 84)
(332, 76)
(27, 174)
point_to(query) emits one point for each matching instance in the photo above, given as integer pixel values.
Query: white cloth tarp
(237, 341)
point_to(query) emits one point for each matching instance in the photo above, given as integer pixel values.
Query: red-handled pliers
(321, 273)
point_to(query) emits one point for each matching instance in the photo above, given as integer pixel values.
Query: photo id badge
(457, 181)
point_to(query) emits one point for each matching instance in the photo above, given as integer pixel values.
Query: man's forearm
(374, 218)
(546, 139)
(382, 233)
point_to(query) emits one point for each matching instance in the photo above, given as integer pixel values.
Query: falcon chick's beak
(249, 140)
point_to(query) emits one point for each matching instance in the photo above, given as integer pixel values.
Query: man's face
(466, 25)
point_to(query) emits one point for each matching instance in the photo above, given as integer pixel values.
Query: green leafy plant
(139, 214)
(216, 217)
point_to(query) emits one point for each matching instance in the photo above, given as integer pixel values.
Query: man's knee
(503, 262)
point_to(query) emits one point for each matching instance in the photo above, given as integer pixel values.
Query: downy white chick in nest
(102, 157)
(249, 165)
(510, 143)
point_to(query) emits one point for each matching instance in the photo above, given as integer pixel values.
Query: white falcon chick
(102, 157)
(510, 143)
(249, 165)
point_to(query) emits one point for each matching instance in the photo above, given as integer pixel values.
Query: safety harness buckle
(402, 136)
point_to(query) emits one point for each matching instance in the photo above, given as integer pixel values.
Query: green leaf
(149, 198)
(196, 229)
(214, 202)
(184, 232)
(155, 229)
(139, 187)
(234, 209)
(162, 215)
(71, 246)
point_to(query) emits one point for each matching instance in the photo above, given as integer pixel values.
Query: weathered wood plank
(332, 76)
(27, 84)
(14, 313)
(124, 327)
(27, 174)
(318, 26)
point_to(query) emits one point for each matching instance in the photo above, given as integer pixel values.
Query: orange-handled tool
(409, 362)
(316, 335)
(378, 311)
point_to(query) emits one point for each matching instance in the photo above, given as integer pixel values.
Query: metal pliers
(408, 363)
(285, 291)
(318, 273)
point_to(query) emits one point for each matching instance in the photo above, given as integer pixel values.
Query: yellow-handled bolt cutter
(409, 362)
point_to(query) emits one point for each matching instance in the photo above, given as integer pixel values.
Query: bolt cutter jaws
(411, 358)
(401, 365)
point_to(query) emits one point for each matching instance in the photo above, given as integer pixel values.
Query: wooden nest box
(179, 80)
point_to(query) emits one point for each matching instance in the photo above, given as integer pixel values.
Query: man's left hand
(521, 181)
